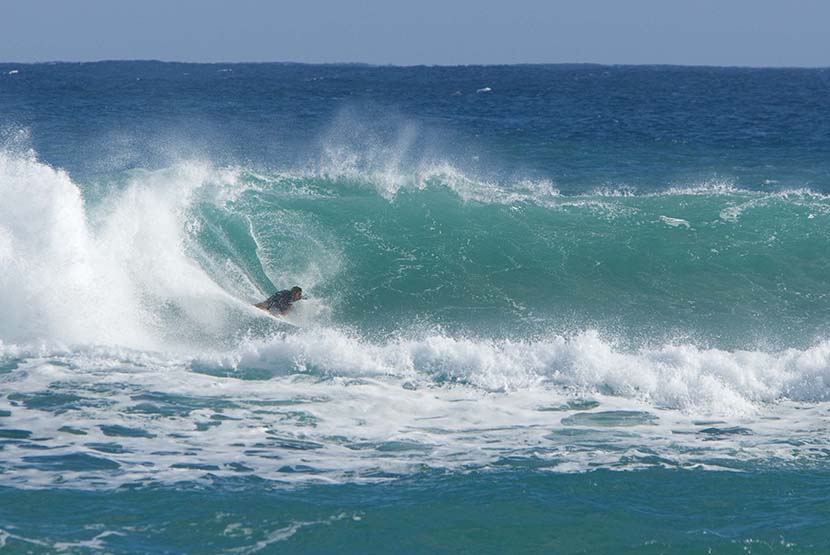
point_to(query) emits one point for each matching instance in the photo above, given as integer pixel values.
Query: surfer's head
(296, 293)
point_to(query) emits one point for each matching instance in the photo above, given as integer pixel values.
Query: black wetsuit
(280, 301)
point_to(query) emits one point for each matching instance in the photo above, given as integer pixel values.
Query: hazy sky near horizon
(703, 32)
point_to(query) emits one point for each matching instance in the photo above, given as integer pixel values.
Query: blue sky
(708, 32)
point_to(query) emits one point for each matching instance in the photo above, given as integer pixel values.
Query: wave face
(185, 249)
(457, 317)
(725, 267)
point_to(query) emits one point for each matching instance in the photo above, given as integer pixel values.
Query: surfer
(281, 301)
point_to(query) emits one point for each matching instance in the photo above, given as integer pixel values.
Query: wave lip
(51, 273)
(122, 271)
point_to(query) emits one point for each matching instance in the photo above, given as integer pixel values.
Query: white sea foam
(675, 222)
(389, 171)
(713, 187)
(352, 411)
(104, 276)
(709, 188)
(286, 532)
(682, 376)
(390, 180)
(52, 278)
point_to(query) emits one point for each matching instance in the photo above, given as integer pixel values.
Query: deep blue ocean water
(551, 309)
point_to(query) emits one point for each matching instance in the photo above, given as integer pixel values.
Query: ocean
(550, 309)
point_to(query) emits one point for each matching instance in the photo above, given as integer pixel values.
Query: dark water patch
(263, 454)
(297, 400)
(36, 446)
(402, 446)
(205, 426)
(195, 466)
(574, 432)
(245, 374)
(239, 467)
(592, 437)
(10, 433)
(724, 433)
(611, 419)
(5, 413)
(116, 430)
(298, 469)
(111, 448)
(164, 404)
(150, 408)
(790, 441)
(77, 462)
(338, 439)
(282, 442)
(71, 430)
(629, 461)
(52, 401)
(399, 446)
(223, 417)
(298, 418)
(105, 389)
(8, 366)
(574, 404)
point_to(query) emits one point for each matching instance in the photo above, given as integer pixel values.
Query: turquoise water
(585, 310)
(520, 511)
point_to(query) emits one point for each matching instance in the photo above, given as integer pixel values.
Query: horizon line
(403, 66)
